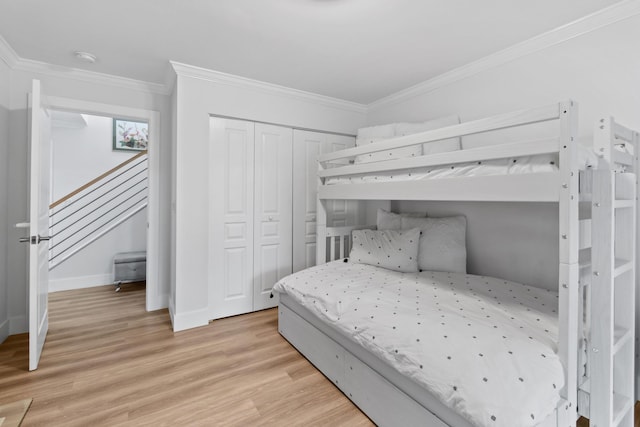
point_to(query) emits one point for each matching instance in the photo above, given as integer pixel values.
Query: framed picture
(129, 135)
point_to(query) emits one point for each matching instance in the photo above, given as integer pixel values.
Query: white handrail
(98, 207)
(95, 237)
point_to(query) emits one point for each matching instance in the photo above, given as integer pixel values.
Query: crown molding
(274, 89)
(170, 76)
(15, 62)
(607, 16)
(7, 54)
(87, 76)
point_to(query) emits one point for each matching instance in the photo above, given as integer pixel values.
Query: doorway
(149, 222)
(98, 186)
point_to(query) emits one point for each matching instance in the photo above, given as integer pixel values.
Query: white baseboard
(172, 312)
(18, 325)
(191, 319)
(4, 330)
(158, 303)
(80, 282)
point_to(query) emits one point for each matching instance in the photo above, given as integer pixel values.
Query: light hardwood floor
(108, 362)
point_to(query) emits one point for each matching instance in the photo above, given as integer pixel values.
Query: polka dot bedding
(485, 347)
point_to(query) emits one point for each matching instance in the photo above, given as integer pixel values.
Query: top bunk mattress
(484, 347)
(544, 163)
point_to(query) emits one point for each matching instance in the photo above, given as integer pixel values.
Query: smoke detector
(86, 57)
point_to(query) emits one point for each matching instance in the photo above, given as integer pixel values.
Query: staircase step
(584, 234)
(621, 336)
(586, 385)
(621, 407)
(584, 258)
(620, 204)
(622, 266)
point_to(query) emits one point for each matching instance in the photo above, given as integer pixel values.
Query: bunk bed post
(321, 224)
(636, 165)
(568, 259)
(602, 303)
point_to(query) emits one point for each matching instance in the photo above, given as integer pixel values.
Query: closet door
(306, 148)
(273, 214)
(231, 224)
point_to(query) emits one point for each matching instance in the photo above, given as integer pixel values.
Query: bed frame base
(375, 393)
(383, 403)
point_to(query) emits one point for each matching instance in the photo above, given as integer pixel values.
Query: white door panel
(40, 166)
(235, 262)
(306, 148)
(273, 215)
(312, 148)
(231, 223)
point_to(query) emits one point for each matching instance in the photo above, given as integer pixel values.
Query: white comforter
(543, 163)
(485, 347)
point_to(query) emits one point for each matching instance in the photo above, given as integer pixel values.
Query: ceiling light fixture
(87, 57)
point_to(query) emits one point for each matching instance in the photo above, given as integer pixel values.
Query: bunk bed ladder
(611, 348)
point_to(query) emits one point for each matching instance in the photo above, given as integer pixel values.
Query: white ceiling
(67, 120)
(357, 50)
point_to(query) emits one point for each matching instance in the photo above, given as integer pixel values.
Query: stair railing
(92, 210)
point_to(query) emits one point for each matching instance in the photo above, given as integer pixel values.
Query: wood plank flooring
(108, 362)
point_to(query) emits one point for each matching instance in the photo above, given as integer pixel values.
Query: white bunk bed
(596, 299)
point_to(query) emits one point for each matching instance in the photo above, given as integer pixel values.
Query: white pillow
(442, 243)
(392, 249)
(375, 132)
(443, 146)
(392, 221)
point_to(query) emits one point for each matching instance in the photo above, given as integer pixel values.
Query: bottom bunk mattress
(484, 347)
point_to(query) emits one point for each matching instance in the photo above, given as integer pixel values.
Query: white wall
(515, 241)
(600, 70)
(4, 202)
(93, 266)
(85, 89)
(80, 155)
(199, 94)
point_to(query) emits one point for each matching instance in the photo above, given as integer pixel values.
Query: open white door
(40, 150)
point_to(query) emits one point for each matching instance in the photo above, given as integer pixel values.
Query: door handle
(33, 239)
(23, 225)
